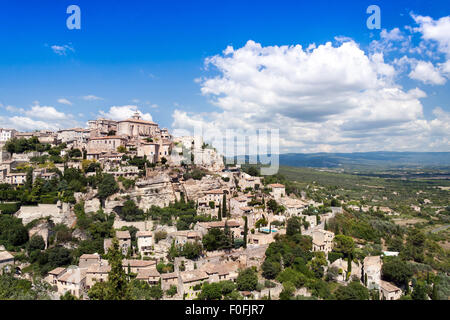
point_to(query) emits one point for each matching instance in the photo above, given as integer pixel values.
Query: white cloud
(327, 98)
(38, 117)
(62, 50)
(436, 30)
(26, 123)
(91, 97)
(393, 35)
(46, 112)
(427, 73)
(124, 112)
(13, 109)
(64, 101)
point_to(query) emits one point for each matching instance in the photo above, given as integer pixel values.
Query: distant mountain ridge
(375, 159)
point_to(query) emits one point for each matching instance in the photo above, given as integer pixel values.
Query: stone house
(6, 259)
(73, 280)
(16, 179)
(149, 149)
(168, 280)
(294, 207)
(150, 275)
(237, 203)
(97, 273)
(189, 283)
(185, 236)
(389, 291)
(87, 260)
(221, 271)
(322, 240)
(54, 274)
(372, 268)
(137, 265)
(278, 190)
(215, 196)
(105, 144)
(124, 238)
(248, 181)
(144, 242)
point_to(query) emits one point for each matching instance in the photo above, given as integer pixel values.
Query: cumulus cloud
(37, 117)
(435, 30)
(46, 112)
(124, 112)
(323, 98)
(426, 72)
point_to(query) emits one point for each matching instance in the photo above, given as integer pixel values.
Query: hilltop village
(126, 201)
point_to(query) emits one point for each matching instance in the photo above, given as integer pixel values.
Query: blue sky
(151, 55)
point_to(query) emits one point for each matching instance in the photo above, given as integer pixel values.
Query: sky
(311, 70)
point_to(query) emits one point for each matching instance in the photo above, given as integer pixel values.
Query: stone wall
(58, 213)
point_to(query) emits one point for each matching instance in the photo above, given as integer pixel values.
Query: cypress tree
(336, 229)
(349, 263)
(117, 279)
(224, 204)
(434, 295)
(245, 231)
(219, 214)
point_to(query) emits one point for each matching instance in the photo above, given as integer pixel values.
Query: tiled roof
(194, 275)
(123, 234)
(57, 271)
(138, 263)
(276, 185)
(147, 273)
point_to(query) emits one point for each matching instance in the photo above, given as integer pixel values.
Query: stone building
(189, 283)
(322, 240)
(105, 144)
(278, 190)
(144, 242)
(372, 268)
(388, 291)
(87, 260)
(101, 127)
(6, 258)
(137, 127)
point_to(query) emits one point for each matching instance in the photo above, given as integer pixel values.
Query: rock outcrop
(153, 191)
(196, 189)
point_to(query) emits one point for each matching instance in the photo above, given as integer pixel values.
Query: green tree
(107, 187)
(117, 287)
(353, 291)
(420, 291)
(36, 243)
(395, 270)
(293, 226)
(247, 280)
(344, 244)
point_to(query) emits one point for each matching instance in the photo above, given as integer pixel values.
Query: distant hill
(377, 159)
(366, 159)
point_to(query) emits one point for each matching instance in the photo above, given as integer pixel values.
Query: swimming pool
(267, 230)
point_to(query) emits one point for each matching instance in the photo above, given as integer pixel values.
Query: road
(436, 230)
